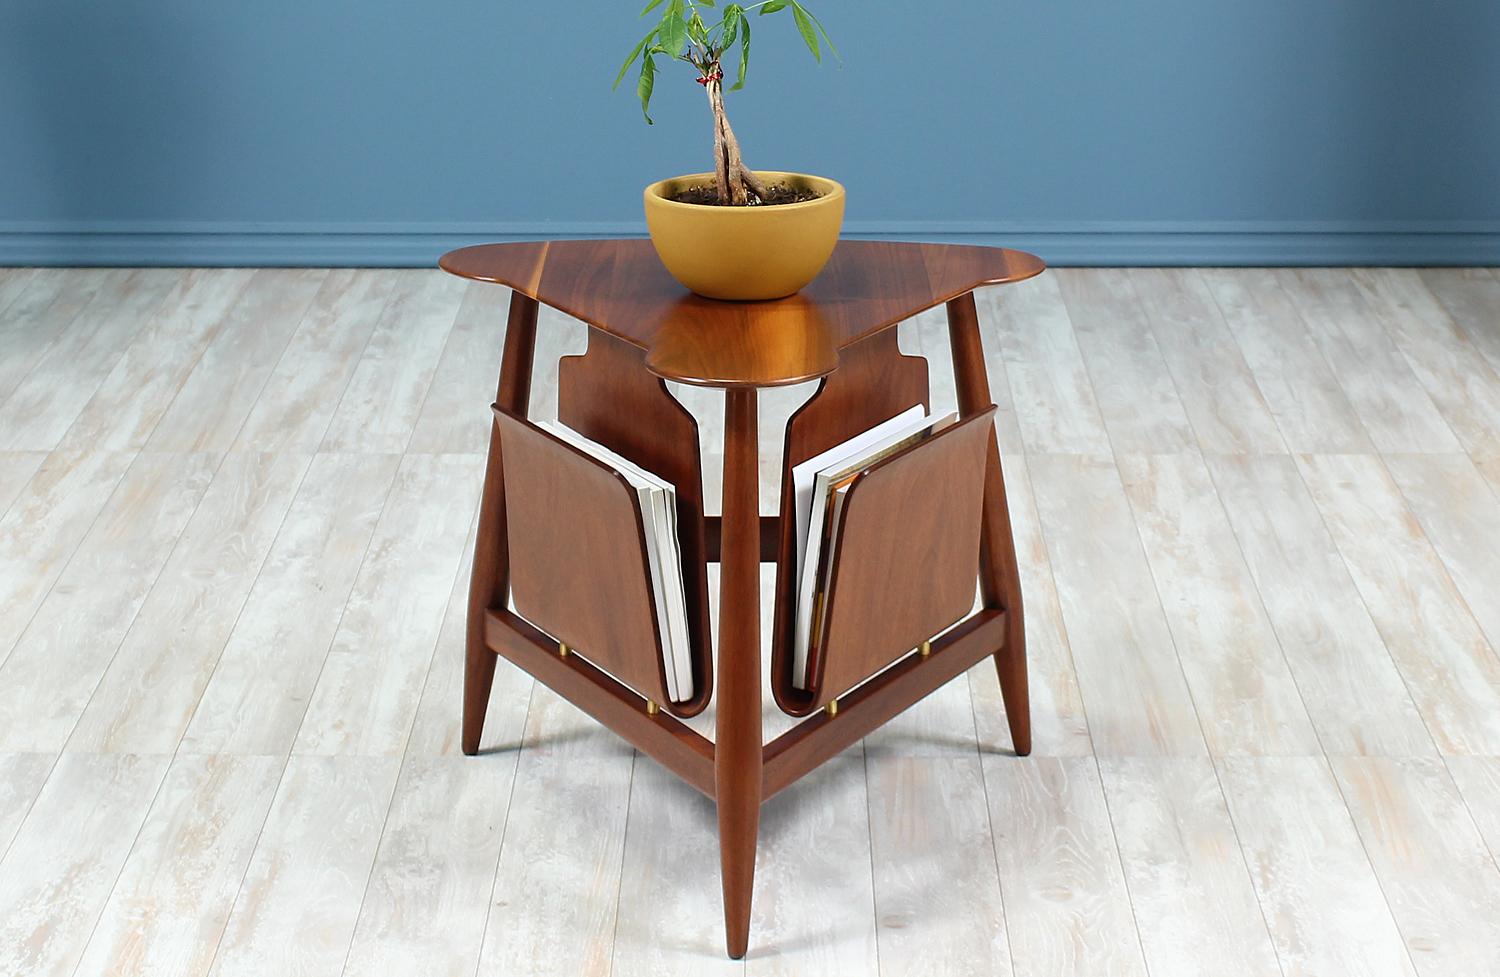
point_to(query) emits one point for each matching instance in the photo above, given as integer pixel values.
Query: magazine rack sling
(560, 538)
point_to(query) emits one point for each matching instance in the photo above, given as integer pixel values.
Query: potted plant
(733, 233)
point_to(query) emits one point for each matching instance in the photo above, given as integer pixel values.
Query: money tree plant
(684, 35)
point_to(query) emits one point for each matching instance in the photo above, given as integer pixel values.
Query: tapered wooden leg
(999, 579)
(490, 582)
(737, 741)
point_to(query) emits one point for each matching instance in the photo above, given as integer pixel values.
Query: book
(820, 486)
(658, 506)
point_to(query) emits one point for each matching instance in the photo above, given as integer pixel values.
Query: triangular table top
(621, 288)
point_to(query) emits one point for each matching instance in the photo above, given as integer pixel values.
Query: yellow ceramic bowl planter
(758, 252)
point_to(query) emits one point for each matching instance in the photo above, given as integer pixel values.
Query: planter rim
(832, 190)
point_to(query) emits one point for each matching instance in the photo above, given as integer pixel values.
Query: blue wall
(383, 132)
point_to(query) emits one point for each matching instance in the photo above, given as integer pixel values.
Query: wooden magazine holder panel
(906, 562)
(579, 570)
(874, 382)
(608, 396)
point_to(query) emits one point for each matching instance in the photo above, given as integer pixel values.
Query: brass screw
(652, 708)
(926, 649)
(832, 708)
(562, 650)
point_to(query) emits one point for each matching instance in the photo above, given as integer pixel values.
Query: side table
(558, 535)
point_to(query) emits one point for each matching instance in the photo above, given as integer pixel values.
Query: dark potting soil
(779, 194)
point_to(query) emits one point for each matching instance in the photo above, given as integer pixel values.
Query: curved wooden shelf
(620, 288)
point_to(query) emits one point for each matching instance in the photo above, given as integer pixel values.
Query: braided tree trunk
(733, 179)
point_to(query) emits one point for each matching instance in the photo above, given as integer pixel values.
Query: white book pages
(658, 504)
(672, 574)
(805, 474)
(667, 581)
(872, 445)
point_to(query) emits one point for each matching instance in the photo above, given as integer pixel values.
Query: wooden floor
(1259, 523)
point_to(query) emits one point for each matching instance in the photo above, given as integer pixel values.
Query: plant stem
(732, 178)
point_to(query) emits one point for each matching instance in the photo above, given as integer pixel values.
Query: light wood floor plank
(298, 401)
(145, 380)
(1354, 693)
(1460, 516)
(1194, 902)
(16, 470)
(1055, 403)
(1130, 378)
(63, 862)
(1138, 701)
(53, 669)
(1451, 670)
(1440, 881)
(13, 282)
(1227, 410)
(147, 696)
(1247, 699)
(212, 404)
(1386, 395)
(60, 383)
(1310, 407)
(1067, 910)
(453, 419)
(1478, 780)
(425, 907)
(1059, 724)
(1489, 467)
(670, 919)
(814, 841)
(940, 725)
(1472, 297)
(175, 891)
(557, 728)
(930, 339)
(558, 885)
(935, 869)
(558, 335)
(44, 306)
(1325, 909)
(437, 727)
(1159, 584)
(43, 527)
(1007, 423)
(295, 913)
(21, 778)
(1464, 386)
(258, 694)
(371, 681)
(384, 398)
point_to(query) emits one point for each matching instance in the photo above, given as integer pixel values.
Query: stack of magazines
(820, 486)
(658, 502)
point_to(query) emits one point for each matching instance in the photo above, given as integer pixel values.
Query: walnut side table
(559, 535)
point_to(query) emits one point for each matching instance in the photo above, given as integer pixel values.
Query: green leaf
(631, 60)
(650, 7)
(806, 29)
(644, 86)
(706, 3)
(674, 29)
(826, 39)
(773, 6)
(739, 82)
(729, 26)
